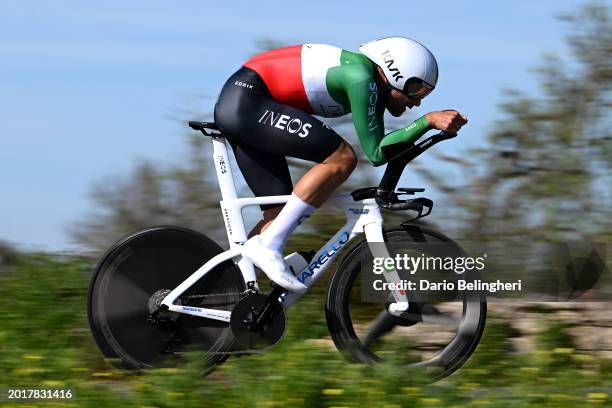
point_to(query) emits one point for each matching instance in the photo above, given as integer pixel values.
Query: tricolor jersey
(328, 81)
(298, 76)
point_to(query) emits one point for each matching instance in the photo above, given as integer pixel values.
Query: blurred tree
(545, 170)
(8, 255)
(152, 195)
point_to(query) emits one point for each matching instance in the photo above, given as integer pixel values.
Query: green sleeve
(369, 124)
(408, 134)
(367, 119)
(354, 87)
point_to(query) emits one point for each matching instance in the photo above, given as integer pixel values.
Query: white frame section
(361, 217)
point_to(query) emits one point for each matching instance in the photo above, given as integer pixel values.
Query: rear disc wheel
(130, 279)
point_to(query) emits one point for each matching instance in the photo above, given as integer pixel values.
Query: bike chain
(215, 294)
(248, 291)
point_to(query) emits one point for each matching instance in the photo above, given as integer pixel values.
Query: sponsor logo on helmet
(388, 60)
(286, 123)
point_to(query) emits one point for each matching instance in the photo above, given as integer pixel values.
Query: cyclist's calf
(318, 183)
(341, 163)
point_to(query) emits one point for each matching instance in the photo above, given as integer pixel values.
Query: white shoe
(273, 264)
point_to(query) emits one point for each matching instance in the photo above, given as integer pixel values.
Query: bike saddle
(207, 128)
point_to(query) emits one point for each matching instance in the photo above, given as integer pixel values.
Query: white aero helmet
(408, 65)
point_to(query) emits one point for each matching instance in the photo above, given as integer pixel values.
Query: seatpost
(232, 216)
(224, 171)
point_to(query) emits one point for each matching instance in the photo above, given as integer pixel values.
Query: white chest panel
(317, 59)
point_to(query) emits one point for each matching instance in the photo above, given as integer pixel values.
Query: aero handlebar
(385, 193)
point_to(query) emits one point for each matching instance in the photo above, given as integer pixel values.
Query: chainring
(270, 333)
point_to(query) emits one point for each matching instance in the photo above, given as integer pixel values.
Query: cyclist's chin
(394, 111)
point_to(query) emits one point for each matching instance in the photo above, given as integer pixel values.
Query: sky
(88, 88)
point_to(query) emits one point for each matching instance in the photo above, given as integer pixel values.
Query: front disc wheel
(434, 337)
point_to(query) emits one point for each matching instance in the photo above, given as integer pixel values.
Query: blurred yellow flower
(103, 374)
(410, 390)
(33, 357)
(332, 391)
(563, 350)
(430, 401)
(28, 371)
(168, 370)
(51, 383)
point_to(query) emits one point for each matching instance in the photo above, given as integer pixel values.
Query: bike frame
(361, 217)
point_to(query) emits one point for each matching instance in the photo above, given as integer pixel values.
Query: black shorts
(262, 132)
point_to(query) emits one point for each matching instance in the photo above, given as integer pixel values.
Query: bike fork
(376, 242)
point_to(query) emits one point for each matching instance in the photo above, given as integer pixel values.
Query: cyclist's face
(397, 102)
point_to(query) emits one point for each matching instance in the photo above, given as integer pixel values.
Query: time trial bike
(167, 290)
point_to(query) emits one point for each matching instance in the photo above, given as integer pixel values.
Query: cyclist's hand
(448, 120)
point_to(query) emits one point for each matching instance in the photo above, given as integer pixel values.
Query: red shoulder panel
(281, 70)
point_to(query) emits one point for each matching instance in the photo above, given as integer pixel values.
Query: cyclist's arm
(369, 124)
(409, 134)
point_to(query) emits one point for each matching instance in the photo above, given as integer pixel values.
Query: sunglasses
(417, 88)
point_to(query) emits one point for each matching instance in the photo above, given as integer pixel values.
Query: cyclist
(266, 111)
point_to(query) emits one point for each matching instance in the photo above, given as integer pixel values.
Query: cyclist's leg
(308, 139)
(318, 184)
(247, 113)
(268, 215)
(311, 191)
(257, 166)
(268, 174)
